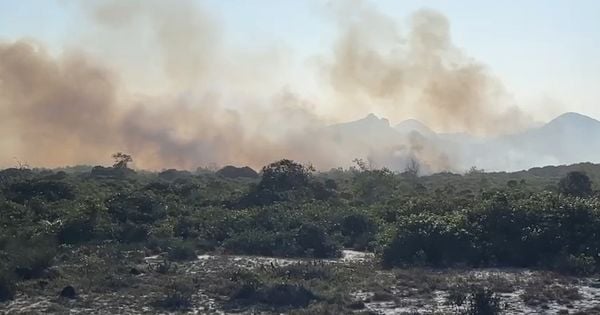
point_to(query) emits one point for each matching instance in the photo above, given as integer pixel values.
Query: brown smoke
(71, 109)
(60, 111)
(181, 39)
(420, 74)
(66, 110)
(159, 82)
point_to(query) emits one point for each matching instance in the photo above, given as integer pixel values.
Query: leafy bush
(261, 242)
(580, 265)
(304, 271)
(76, 230)
(141, 207)
(177, 296)
(314, 241)
(538, 231)
(31, 258)
(44, 189)
(371, 185)
(542, 291)
(483, 301)
(358, 231)
(575, 184)
(7, 285)
(430, 240)
(133, 233)
(479, 219)
(286, 295)
(179, 250)
(286, 181)
(230, 171)
(251, 290)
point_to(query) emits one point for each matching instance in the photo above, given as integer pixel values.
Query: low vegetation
(547, 218)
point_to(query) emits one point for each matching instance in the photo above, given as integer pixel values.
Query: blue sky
(547, 53)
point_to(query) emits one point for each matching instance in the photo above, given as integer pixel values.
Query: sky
(546, 53)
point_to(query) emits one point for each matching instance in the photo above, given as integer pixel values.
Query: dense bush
(314, 242)
(483, 301)
(430, 240)
(308, 240)
(230, 171)
(286, 295)
(575, 184)
(287, 181)
(47, 190)
(30, 258)
(358, 231)
(179, 250)
(177, 296)
(139, 207)
(250, 288)
(527, 219)
(540, 231)
(132, 233)
(261, 242)
(7, 285)
(304, 271)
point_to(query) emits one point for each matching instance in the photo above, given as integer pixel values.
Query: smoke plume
(418, 73)
(159, 81)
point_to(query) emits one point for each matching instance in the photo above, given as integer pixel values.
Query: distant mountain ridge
(569, 138)
(411, 125)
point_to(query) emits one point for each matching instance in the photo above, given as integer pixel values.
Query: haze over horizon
(240, 83)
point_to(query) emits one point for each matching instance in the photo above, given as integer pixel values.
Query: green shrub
(304, 271)
(575, 184)
(141, 207)
(358, 231)
(177, 296)
(580, 265)
(287, 295)
(7, 285)
(457, 295)
(260, 242)
(483, 301)
(44, 189)
(31, 258)
(179, 250)
(251, 242)
(241, 285)
(75, 231)
(314, 242)
(133, 233)
(541, 291)
(250, 287)
(163, 267)
(430, 240)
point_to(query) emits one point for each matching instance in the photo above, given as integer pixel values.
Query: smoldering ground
(161, 83)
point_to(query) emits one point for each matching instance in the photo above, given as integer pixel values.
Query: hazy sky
(546, 53)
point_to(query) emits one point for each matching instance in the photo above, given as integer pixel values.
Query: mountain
(567, 139)
(573, 128)
(372, 138)
(369, 124)
(411, 125)
(568, 120)
(370, 129)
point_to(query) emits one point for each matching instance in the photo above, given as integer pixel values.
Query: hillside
(567, 139)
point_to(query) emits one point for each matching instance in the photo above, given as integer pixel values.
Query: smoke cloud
(418, 73)
(159, 82)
